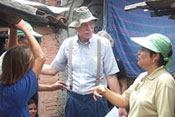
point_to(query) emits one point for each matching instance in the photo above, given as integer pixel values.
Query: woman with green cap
(153, 93)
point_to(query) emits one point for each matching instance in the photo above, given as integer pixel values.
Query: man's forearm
(114, 83)
(48, 70)
(44, 87)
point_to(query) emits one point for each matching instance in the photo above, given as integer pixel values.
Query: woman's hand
(21, 25)
(59, 85)
(98, 90)
(115, 98)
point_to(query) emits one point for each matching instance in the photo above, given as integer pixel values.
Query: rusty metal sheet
(12, 11)
(13, 6)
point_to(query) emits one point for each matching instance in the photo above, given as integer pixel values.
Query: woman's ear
(156, 57)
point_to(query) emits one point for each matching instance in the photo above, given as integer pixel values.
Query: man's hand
(59, 85)
(122, 112)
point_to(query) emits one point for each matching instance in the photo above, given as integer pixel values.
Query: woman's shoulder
(165, 78)
(30, 73)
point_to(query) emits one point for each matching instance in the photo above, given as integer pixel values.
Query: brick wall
(48, 100)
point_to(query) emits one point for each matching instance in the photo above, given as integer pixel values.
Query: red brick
(48, 103)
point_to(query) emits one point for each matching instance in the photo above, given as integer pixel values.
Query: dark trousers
(85, 106)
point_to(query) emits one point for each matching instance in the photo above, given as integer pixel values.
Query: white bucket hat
(81, 15)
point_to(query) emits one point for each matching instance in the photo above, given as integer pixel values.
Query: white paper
(113, 112)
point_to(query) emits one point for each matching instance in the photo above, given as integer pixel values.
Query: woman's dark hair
(161, 60)
(16, 63)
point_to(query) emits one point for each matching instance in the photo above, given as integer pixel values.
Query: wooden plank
(135, 6)
(3, 29)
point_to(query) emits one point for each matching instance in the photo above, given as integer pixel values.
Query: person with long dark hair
(18, 82)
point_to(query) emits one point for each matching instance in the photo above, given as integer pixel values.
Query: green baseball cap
(157, 43)
(35, 34)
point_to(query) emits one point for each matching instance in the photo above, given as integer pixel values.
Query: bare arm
(114, 98)
(56, 86)
(115, 87)
(13, 40)
(48, 70)
(39, 57)
(113, 83)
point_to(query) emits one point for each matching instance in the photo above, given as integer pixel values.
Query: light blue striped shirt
(84, 62)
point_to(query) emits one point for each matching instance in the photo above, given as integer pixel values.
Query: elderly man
(90, 62)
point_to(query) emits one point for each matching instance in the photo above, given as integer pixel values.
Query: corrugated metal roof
(12, 11)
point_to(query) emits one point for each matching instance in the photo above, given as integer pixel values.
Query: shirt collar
(155, 73)
(90, 41)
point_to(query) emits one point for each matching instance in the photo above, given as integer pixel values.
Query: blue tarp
(136, 23)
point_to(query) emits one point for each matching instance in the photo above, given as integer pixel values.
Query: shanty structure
(120, 24)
